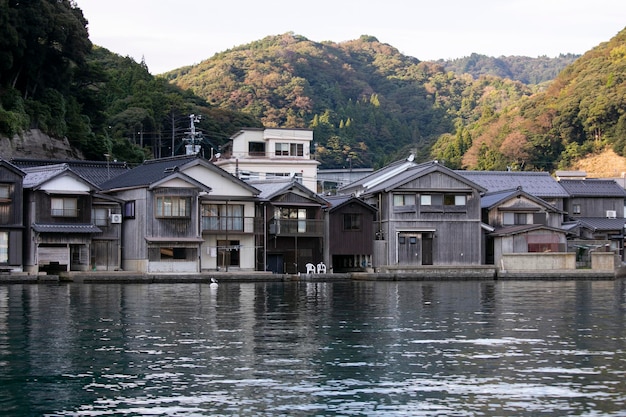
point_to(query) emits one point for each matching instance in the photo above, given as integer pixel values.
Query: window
(576, 209)
(296, 219)
(431, 199)
(100, 216)
(453, 200)
(256, 148)
(352, 221)
(447, 201)
(222, 217)
(173, 206)
(5, 192)
(4, 247)
(297, 149)
(64, 207)
(129, 210)
(400, 200)
(289, 149)
(514, 218)
(282, 149)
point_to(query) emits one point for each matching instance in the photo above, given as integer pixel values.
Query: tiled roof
(491, 199)
(270, 188)
(95, 172)
(66, 228)
(539, 184)
(593, 188)
(38, 175)
(148, 172)
(601, 223)
(524, 228)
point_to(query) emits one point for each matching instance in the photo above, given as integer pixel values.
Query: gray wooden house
(595, 212)
(183, 214)
(294, 225)
(522, 223)
(427, 215)
(11, 217)
(350, 234)
(59, 220)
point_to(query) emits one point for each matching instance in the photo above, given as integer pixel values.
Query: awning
(66, 228)
(174, 239)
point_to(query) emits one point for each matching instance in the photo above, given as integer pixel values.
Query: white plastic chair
(321, 268)
(310, 268)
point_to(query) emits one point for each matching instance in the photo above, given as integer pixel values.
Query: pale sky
(173, 34)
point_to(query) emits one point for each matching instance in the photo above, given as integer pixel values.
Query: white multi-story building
(265, 154)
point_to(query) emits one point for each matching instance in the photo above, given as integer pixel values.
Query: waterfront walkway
(433, 273)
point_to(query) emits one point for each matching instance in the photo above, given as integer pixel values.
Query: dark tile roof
(96, 172)
(593, 188)
(66, 228)
(523, 228)
(601, 223)
(148, 172)
(539, 184)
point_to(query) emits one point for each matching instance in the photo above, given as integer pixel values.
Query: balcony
(287, 227)
(222, 224)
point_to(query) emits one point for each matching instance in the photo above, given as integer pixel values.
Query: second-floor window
(352, 221)
(64, 206)
(256, 148)
(514, 218)
(442, 200)
(100, 216)
(400, 200)
(173, 206)
(289, 149)
(5, 193)
(129, 209)
(576, 209)
(222, 217)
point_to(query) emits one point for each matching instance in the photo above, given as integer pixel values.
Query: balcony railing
(221, 224)
(284, 227)
(69, 212)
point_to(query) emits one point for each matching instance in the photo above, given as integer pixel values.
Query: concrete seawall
(476, 273)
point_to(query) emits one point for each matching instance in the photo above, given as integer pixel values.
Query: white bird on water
(213, 283)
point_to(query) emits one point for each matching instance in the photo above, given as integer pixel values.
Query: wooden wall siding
(15, 247)
(43, 209)
(173, 227)
(105, 255)
(595, 207)
(436, 181)
(454, 242)
(351, 242)
(134, 230)
(11, 213)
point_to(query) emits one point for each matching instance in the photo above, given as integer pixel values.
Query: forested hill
(363, 98)
(370, 104)
(520, 68)
(582, 112)
(54, 81)
(366, 102)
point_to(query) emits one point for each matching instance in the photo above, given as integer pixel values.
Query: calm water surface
(363, 348)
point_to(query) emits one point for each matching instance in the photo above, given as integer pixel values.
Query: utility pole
(191, 147)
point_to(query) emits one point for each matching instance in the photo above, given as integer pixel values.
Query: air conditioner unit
(116, 218)
(611, 214)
